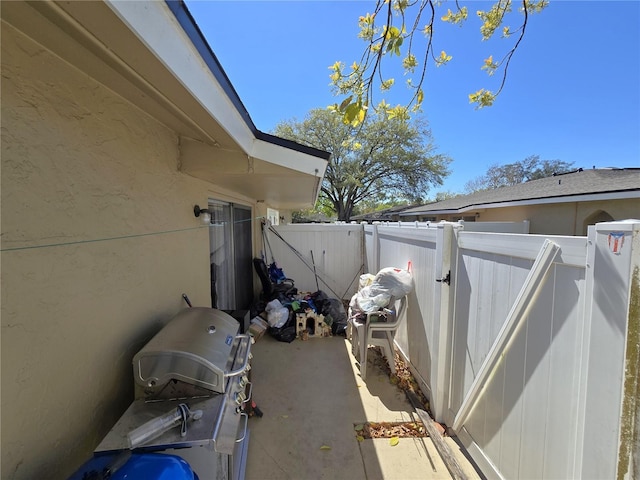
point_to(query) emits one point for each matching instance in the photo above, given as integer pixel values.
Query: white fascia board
(590, 197)
(156, 26)
(288, 158)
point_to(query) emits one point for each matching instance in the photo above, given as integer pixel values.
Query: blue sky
(573, 91)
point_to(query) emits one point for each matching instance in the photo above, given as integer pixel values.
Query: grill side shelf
(199, 432)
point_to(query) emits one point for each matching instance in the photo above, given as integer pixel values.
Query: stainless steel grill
(197, 363)
(196, 349)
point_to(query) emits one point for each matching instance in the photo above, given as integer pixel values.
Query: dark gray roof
(582, 182)
(382, 214)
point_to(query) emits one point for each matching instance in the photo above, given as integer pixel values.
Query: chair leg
(354, 340)
(390, 353)
(363, 344)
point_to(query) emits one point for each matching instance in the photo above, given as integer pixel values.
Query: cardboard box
(257, 328)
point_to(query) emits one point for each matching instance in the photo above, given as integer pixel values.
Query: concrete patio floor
(312, 396)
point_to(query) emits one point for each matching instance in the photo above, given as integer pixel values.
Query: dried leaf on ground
(403, 377)
(390, 430)
(404, 380)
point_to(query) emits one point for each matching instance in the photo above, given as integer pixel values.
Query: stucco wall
(562, 218)
(98, 243)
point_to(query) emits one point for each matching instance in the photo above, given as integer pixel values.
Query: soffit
(138, 50)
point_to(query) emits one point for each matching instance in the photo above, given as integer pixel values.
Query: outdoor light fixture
(206, 214)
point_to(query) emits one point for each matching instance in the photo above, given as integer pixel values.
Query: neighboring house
(563, 204)
(313, 218)
(117, 120)
(391, 214)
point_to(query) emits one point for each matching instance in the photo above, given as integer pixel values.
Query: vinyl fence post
(443, 313)
(376, 250)
(610, 430)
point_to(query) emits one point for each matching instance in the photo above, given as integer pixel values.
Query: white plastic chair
(380, 333)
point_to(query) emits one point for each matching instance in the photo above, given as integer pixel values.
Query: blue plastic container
(139, 466)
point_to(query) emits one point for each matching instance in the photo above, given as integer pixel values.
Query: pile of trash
(291, 314)
(311, 314)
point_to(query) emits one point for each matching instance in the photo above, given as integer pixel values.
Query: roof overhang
(153, 54)
(587, 197)
(431, 212)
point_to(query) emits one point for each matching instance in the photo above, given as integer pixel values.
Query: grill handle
(245, 340)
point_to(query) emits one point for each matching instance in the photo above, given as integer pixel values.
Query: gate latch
(446, 279)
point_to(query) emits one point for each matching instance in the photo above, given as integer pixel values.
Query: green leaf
(443, 58)
(410, 62)
(345, 103)
(482, 98)
(350, 113)
(387, 84)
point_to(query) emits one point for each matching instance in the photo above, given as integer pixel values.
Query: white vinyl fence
(327, 257)
(527, 346)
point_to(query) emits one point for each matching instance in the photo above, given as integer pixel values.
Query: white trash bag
(388, 282)
(366, 280)
(277, 315)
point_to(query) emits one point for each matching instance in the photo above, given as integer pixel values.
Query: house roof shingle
(382, 215)
(581, 182)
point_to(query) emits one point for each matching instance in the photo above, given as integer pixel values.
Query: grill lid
(195, 347)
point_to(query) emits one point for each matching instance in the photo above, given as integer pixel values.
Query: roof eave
(585, 197)
(153, 54)
(617, 195)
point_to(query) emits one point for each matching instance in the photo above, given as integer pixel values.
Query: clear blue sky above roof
(573, 91)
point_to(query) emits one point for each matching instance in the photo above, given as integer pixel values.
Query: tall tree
(531, 168)
(394, 28)
(379, 159)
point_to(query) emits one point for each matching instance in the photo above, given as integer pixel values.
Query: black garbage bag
(333, 311)
(287, 332)
(283, 334)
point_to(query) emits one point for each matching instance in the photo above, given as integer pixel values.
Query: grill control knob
(240, 398)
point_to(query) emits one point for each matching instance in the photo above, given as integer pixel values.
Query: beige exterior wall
(98, 243)
(558, 218)
(563, 218)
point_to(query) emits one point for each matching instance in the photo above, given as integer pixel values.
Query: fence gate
(526, 368)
